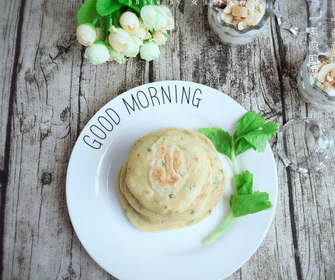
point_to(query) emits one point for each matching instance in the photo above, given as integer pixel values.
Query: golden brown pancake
(172, 178)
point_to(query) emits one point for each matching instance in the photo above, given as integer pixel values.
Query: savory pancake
(172, 178)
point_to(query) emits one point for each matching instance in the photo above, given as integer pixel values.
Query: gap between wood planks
(4, 174)
(281, 49)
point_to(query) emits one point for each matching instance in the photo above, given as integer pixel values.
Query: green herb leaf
(244, 183)
(107, 7)
(242, 205)
(87, 12)
(253, 132)
(249, 122)
(221, 140)
(242, 146)
(259, 138)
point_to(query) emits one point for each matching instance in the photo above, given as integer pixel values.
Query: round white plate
(96, 212)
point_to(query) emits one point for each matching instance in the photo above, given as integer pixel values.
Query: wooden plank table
(49, 92)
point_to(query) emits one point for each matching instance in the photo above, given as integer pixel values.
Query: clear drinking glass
(292, 14)
(318, 89)
(305, 145)
(230, 34)
(289, 16)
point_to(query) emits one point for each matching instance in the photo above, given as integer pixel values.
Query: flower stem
(108, 22)
(136, 9)
(95, 21)
(103, 30)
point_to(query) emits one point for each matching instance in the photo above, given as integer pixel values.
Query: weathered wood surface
(49, 92)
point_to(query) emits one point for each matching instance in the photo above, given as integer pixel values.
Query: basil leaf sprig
(252, 132)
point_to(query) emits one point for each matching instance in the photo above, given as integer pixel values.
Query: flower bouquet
(113, 30)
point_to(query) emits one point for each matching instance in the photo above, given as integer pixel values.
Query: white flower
(153, 17)
(124, 43)
(119, 39)
(86, 34)
(97, 53)
(142, 32)
(169, 17)
(160, 37)
(149, 51)
(129, 22)
(116, 56)
(134, 47)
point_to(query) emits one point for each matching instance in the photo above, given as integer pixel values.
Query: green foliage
(244, 183)
(138, 4)
(221, 140)
(107, 7)
(87, 12)
(91, 9)
(242, 205)
(252, 132)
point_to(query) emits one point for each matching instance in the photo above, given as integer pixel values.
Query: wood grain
(49, 92)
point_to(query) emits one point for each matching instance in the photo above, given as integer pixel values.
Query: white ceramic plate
(95, 210)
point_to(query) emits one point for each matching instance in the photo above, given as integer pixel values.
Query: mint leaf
(244, 183)
(253, 132)
(87, 12)
(107, 7)
(221, 140)
(242, 205)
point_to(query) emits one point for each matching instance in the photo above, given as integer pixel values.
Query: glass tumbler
(300, 16)
(231, 34)
(305, 145)
(289, 16)
(318, 89)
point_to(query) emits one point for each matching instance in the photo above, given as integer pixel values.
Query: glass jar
(305, 145)
(231, 34)
(318, 89)
(300, 16)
